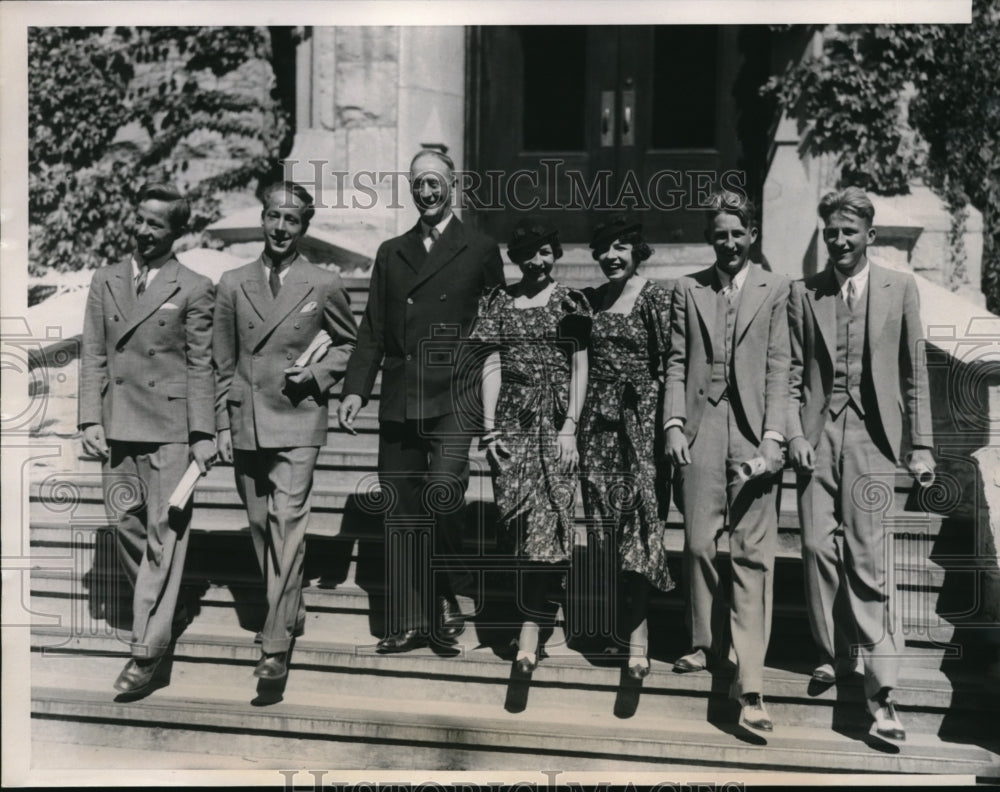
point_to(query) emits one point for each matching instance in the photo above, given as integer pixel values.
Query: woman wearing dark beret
(534, 382)
(624, 479)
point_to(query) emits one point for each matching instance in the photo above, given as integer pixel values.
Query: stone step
(229, 603)
(317, 725)
(931, 702)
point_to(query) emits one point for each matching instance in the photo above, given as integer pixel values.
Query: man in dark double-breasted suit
(271, 413)
(856, 372)
(146, 396)
(423, 297)
(726, 401)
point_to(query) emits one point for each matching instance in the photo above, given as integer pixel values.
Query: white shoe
(887, 723)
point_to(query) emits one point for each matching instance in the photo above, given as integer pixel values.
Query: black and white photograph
(500, 392)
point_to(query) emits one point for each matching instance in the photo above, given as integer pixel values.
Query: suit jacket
(759, 372)
(416, 327)
(895, 365)
(146, 363)
(257, 336)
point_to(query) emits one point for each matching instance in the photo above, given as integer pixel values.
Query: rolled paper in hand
(185, 488)
(316, 349)
(923, 474)
(752, 468)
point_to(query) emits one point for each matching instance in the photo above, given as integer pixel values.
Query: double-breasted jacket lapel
(257, 290)
(448, 245)
(412, 250)
(161, 289)
(294, 289)
(122, 289)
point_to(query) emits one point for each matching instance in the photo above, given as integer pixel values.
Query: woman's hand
(495, 449)
(567, 455)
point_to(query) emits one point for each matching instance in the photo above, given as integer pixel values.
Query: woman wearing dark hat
(534, 382)
(624, 481)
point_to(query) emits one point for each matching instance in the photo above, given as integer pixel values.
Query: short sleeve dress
(625, 478)
(535, 501)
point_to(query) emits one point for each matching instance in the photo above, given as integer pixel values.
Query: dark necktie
(433, 236)
(140, 280)
(274, 279)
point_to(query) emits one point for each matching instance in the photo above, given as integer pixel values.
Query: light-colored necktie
(730, 292)
(433, 236)
(852, 295)
(140, 280)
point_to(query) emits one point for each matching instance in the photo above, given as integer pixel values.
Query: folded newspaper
(185, 488)
(316, 349)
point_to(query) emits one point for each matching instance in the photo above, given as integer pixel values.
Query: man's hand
(774, 458)
(677, 446)
(921, 466)
(349, 406)
(802, 455)
(203, 453)
(94, 442)
(299, 377)
(225, 441)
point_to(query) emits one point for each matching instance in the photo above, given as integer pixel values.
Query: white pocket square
(169, 306)
(309, 307)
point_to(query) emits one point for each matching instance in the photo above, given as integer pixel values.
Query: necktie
(433, 236)
(274, 280)
(729, 292)
(140, 280)
(852, 295)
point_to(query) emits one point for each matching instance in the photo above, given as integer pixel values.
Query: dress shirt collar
(154, 266)
(425, 230)
(286, 265)
(860, 280)
(737, 280)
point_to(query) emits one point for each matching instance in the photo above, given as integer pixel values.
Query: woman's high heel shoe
(526, 662)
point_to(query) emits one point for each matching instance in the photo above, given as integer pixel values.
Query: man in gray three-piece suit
(272, 414)
(146, 408)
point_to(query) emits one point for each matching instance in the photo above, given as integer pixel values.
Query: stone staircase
(345, 707)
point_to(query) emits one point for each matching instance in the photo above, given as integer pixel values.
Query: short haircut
(179, 211)
(640, 248)
(443, 158)
(297, 190)
(732, 203)
(851, 200)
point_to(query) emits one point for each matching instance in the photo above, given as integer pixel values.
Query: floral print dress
(535, 500)
(625, 476)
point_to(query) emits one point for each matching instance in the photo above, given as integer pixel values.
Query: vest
(848, 367)
(722, 345)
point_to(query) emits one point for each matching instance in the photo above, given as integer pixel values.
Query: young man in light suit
(146, 408)
(271, 414)
(726, 403)
(856, 371)
(424, 293)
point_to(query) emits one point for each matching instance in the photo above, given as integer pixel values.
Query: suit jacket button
(443, 297)
(152, 384)
(409, 357)
(250, 325)
(409, 301)
(152, 352)
(163, 322)
(288, 356)
(118, 380)
(297, 325)
(701, 391)
(116, 318)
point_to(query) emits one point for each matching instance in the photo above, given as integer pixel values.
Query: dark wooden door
(573, 122)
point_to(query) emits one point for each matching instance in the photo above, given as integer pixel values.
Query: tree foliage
(850, 97)
(112, 108)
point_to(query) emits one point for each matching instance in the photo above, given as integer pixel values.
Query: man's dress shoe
(138, 676)
(887, 723)
(753, 715)
(272, 666)
(828, 673)
(694, 661)
(404, 642)
(450, 623)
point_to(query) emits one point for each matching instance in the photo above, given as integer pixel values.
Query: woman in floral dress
(625, 481)
(534, 383)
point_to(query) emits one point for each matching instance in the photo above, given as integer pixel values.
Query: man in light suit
(726, 402)
(146, 403)
(272, 414)
(856, 371)
(425, 287)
